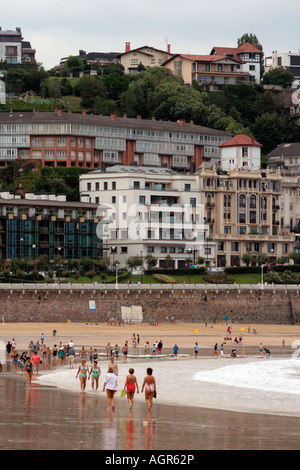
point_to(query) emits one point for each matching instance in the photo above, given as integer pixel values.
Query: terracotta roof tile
(241, 140)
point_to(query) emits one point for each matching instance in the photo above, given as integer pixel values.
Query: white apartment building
(153, 211)
(289, 60)
(11, 46)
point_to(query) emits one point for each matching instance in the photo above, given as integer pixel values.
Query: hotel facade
(219, 216)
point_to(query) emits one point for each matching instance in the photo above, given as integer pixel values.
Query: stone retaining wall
(192, 303)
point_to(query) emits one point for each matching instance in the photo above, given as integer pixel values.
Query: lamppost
(34, 247)
(262, 274)
(141, 267)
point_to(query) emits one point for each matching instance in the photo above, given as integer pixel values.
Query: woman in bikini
(28, 369)
(82, 372)
(150, 387)
(130, 386)
(95, 373)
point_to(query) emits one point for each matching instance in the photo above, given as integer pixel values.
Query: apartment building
(243, 211)
(223, 66)
(147, 56)
(289, 60)
(153, 211)
(285, 155)
(13, 50)
(48, 225)
(68, 139)
(290, 200)
(214, 214)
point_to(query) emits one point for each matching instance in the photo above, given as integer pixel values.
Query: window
(220, 246)
(113, 199)
(242, 218)
(227, 229)
(252, 202)
(248, 246)
(163, 249)
(242, 230)
(234, 246)
(284, 248)
(271, 247)
(113, 185)
(105, 186)
(150, 249)
(97, 187)
(136, 185)
(171, 249)
(242, 201)
(89, 186)
(142, 200)
(187, 187)
(123, 249)
(252, 217)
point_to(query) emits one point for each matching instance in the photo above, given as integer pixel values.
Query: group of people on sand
(110, 383)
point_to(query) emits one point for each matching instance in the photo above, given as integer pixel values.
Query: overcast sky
(59, 28)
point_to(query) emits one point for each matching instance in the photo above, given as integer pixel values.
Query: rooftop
(241, 141)
(109, 121)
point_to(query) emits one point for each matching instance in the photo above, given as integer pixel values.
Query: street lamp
(262, 274)
(141, 267)
(33, 247)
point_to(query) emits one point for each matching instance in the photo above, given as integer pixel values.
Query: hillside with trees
(155, 92)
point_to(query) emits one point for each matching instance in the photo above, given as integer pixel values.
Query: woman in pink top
(36, 359)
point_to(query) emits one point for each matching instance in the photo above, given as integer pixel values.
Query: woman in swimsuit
(28, 369)
(150, 387)
(130, 386)
(82, 372)
(95, 373)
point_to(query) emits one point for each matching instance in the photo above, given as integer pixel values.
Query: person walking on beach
(111, 386)
(125, 352)
(159, 346)
(82, 372)
(149, 385)
(36, 359)
(261, 348)
(130, 386)
(28, 369)
(95, 372)
(114, 366)
(71, 357)
(175, 350)
(196, 350)
(215, 354)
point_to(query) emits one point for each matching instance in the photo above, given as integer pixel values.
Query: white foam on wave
(282, 376)
(256, 386)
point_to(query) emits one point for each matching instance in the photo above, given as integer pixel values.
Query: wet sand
(27, 410)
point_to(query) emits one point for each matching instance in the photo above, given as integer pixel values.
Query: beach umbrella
(195, 331)
(242, 329)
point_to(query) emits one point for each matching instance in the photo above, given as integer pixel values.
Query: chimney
(139, 117)
(181, 122)
(113, 116)
(169, 48)
(127, 46)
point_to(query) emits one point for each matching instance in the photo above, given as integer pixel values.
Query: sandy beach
(218, 397)
(184, 334)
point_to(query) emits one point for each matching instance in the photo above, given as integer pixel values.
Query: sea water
(270, 386)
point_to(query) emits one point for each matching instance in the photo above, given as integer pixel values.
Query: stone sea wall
(189, 303)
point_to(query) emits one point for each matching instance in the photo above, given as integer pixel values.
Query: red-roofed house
(241, 152)
(223, 66)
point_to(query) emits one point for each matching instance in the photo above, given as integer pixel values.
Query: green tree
(89, 88)
(278, 76)
(74, 64)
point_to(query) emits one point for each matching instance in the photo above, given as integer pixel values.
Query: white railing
(149, 287)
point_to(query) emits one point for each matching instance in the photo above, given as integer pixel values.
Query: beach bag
(123, 393)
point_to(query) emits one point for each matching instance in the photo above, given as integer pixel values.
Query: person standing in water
(149, 385)
(130, 386)
(82, 372)
(110, 385)
(28, 369)
(95, 372)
